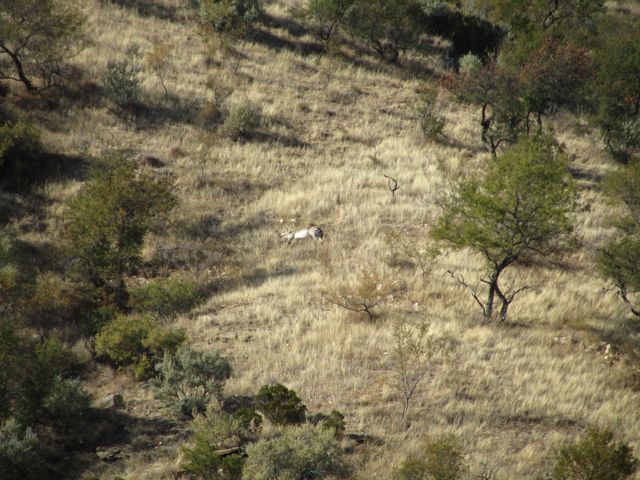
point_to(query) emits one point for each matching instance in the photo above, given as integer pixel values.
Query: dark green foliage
(108, 222)
(431, 124)
(280, 405)
(189, 380)
(616, 87)
(438, 459)
(121, 79)
(619, 260)
(137, 340)
(467, 33)
(518, 212)
(334, 422)
(250, 420)
(324, 18)
(213, 434)
(36, 38)
(166, 297)
(67, 409)
(595, 457)
(298, 453)
(228, 20)
(388, 26)
(20, 155)
(18, 455)
(241, 121)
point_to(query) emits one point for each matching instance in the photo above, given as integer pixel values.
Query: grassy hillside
(332, 127)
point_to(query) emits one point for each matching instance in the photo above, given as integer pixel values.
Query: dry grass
(331, 130)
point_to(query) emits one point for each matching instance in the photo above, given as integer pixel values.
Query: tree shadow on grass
(150, 8)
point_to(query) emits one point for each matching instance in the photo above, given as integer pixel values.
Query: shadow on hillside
(279, 139)
(172, 110)
(149, 8)
(276, 42)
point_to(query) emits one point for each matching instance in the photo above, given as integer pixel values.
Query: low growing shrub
(438, 459)
(121, 79)
(18, 456)
(243, 119)
(298, 453)
(137, 340)
(166, 297)
(20, 155)
(188, 380)
(280, 405)
(595, 457)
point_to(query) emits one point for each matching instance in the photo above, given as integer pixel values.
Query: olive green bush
(280, 405)
(166, 297)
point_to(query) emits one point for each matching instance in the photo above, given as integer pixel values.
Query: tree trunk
(20, 70)
(493, 286)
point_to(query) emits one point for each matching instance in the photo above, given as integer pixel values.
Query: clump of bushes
(166, 297)
(439, 458)
(297, 453)
(595, 456)
(189, 380)
(20, 155)
(18, 456)
(121, 79)
(431, 124)
(242, 120)
(280, 405)
(137, 340)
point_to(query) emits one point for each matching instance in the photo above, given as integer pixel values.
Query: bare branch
(392, 184)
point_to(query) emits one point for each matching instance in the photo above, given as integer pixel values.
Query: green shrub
(188, 380)
(431, 124)
(595, 457)
(166, 297)
(298, 453)
(18, 456)
(229, 17)
(67, 408)
(334, 422)
(280, 405)
(136, 340)
(20, 155)
(242, 120)
(470, 64)
(438, 459)
(121, 79)
(212, 432)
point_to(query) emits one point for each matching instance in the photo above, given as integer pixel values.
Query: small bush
(20, 155)
(280, 405)
(121, 79)
(298, 453)
(229, 17)
(595, 457)
(67, 408)
(189, 380)
(242, 120)
(470, 64)
(136, 340)
(439, 459)
(431, 124)
(166, 297)
(334, 422)
(18, 457)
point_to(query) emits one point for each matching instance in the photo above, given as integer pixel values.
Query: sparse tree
(324, 18)
(519, 211)
(157, 60)
(369, 291)
(109, 220)
(619, 260)
(36, 38)
(595, 457)
(411, 359)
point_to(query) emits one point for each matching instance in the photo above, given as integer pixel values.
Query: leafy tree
(189, 380)
(137, 340)
(280, 405)
(228, 20)
(616, 87)
(37, 37)
(619, 260)
(439, 458)
(325, 18)
(390, 27)
(518, 212)
(595, 457)
(499, 93)
(20, 155)
(298, 453)
(109, 219)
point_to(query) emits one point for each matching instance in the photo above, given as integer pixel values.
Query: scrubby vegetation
(456, 155)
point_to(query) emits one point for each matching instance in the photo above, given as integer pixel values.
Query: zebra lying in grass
(314, 232)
